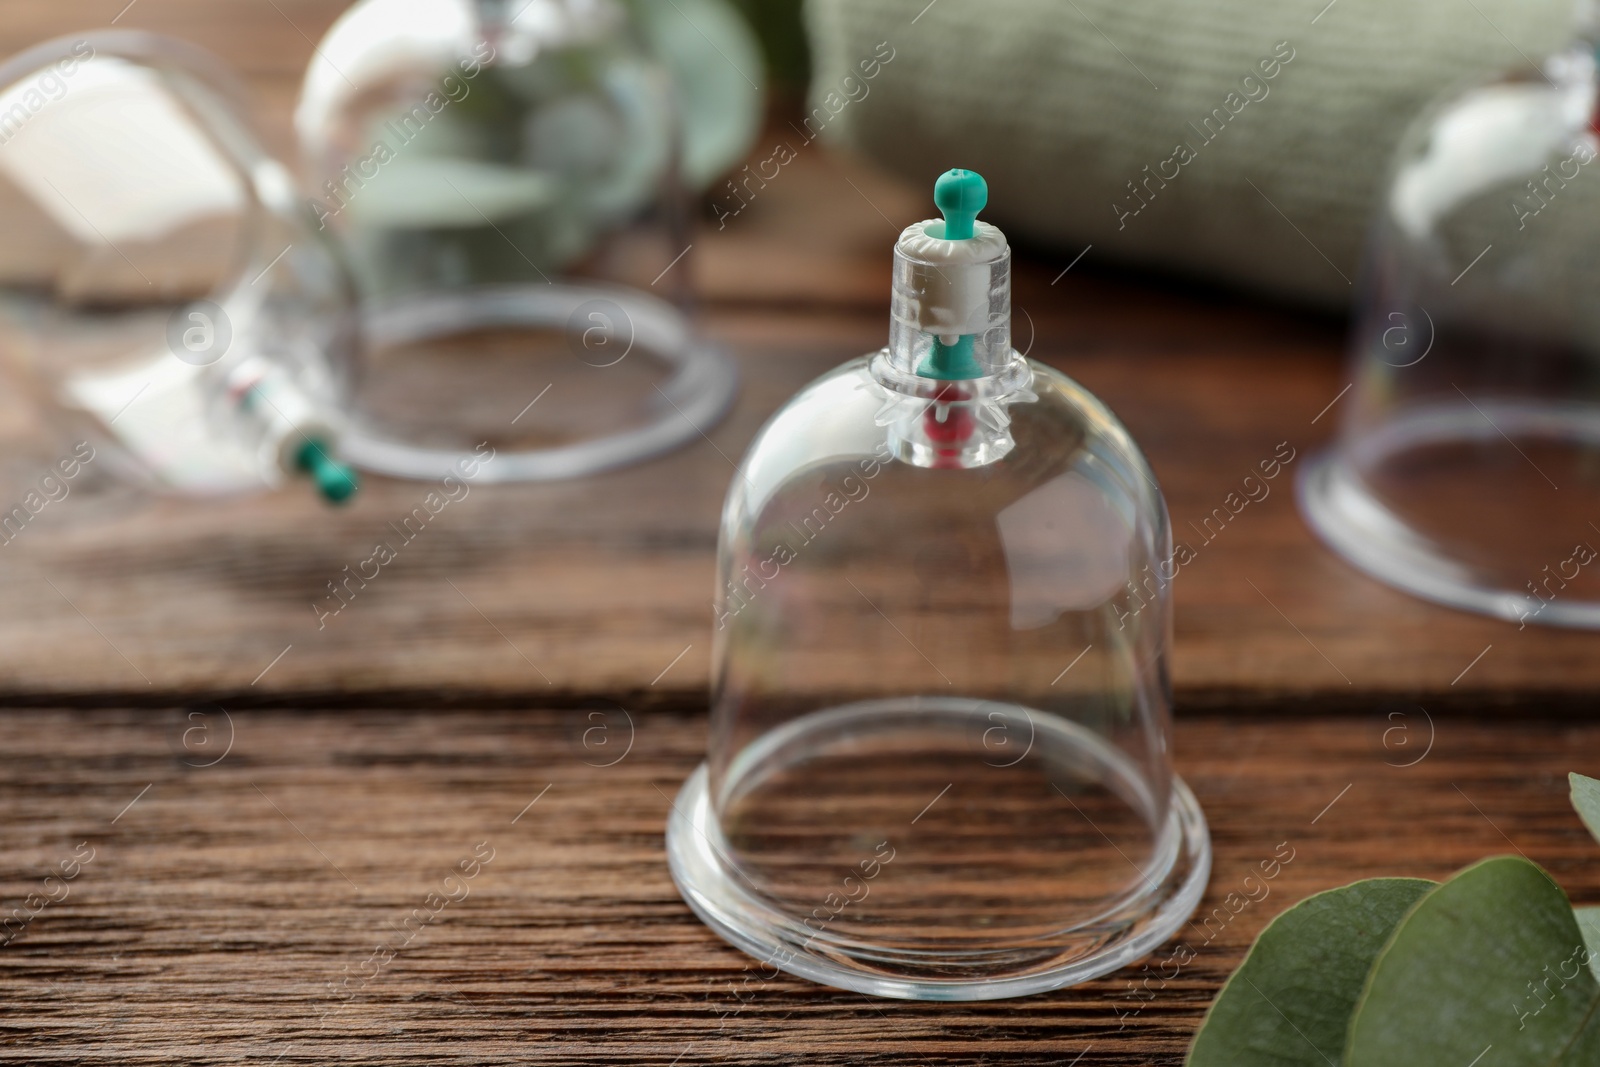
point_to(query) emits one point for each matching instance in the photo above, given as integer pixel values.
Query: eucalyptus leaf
(1586, 798)
(1589, 923)
(1289, 1003)
(717, 68)
(1491, 960)
(420, 191)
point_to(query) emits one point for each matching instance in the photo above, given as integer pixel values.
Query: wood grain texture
(222, 911)
(246, 865)
(596, 586)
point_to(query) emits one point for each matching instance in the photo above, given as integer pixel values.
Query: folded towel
(1237, 140)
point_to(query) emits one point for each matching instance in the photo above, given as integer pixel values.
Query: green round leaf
(1489, 969)
(1589, 923)
(1586, 798)
(1289, 1003)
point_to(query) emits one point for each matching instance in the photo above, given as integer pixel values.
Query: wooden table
(246, 862)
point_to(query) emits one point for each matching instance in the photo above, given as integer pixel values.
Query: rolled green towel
(1237, 140)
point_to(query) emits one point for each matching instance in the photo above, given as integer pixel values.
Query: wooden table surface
(226, 906)
(246, 862)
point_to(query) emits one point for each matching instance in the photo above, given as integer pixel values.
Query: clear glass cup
(939, 759)
(506, 177)
(161, 293)
(1466, 469)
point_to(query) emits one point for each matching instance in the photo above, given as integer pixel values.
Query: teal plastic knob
(334, 480)
(960, 195)
(951, 363)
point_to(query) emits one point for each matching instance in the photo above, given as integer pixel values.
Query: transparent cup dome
(1466, 469)
(939, 758)
(161, 292)
(505, 175)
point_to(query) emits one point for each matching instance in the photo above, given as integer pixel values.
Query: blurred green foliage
(783, 39)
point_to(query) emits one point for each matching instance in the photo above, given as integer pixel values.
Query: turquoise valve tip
(336, 482)
(960, 195)
(951, 363)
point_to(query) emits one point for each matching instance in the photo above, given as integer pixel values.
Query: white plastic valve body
(951, 289)
(278, 415)
(944, 291)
